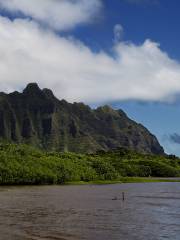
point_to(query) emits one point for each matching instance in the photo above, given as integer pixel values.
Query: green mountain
(38, 118)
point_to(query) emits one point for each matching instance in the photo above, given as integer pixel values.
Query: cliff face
(36, 117)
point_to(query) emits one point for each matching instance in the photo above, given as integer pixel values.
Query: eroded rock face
(38, 118)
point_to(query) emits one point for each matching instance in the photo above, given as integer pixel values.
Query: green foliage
(22, 164)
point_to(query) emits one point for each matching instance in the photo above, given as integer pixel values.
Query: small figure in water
(115, 198)
(123, 196)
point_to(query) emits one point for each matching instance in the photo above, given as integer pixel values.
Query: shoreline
(125, 180)
(104, 182)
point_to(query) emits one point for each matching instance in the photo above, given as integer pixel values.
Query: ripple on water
(150, 212)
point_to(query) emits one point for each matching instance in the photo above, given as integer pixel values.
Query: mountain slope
(38, 118)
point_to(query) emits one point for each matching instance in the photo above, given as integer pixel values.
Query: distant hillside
(38, 118)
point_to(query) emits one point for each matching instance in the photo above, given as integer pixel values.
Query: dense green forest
(22, 164)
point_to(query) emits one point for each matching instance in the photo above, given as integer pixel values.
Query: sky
(124, 53)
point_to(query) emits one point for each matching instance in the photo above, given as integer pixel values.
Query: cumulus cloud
(118, 33)
(57, 14)
(29, 53)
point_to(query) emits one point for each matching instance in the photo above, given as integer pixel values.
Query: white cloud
(57, 14)
(28, 54)
(118, 33)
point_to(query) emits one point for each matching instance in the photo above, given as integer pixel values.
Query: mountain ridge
(38, 118)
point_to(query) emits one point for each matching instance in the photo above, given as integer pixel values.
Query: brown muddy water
(151, 211)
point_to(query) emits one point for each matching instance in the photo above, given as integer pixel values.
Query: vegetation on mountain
(22, 164)
(38, 118)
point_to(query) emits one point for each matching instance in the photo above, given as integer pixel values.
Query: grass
(125, 180)
(147, 180)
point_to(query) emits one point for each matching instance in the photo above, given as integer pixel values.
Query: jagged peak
(32, 88)
(122, 113)
(82, 105)
(3, 94)
(48, 92)
(106, 109)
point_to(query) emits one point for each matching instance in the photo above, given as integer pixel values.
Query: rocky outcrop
(38, 118)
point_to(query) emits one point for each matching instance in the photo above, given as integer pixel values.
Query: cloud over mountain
(32, 53)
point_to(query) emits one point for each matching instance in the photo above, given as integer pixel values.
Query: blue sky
(119, 52)
(157, 21)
